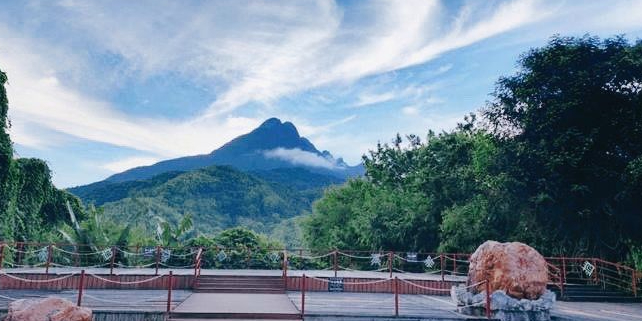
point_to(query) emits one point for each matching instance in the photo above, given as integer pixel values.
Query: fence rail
(45, 256)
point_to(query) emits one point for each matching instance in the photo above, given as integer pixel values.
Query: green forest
(554, 160)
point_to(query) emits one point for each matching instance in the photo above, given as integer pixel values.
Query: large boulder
(515, 268)
(48, 309)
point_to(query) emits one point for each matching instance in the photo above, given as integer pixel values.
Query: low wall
(373, 286)
(38, 281)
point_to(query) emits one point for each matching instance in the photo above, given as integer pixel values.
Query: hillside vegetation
(555, 162)
(216, 197)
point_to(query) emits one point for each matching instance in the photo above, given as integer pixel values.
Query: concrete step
(232, 316)
(239, 290)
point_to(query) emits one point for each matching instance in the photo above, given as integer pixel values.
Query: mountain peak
(274, 126)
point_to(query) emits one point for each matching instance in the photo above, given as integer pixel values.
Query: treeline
(554, 160)
(29, 203)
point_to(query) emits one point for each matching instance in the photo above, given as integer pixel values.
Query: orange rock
(48, 309)
(515, 267)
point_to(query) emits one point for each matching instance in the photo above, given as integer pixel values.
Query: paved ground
(375, 304)
(114, 300)
(358, 304)
(236, 303)
(595, 311)
(315, 273)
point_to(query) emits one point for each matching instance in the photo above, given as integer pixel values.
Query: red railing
(393, 284)
(562, 270)
(82, 280)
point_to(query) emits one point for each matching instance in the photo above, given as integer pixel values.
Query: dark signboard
(335, 284)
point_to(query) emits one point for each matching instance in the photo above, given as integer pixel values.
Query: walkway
(242, 272)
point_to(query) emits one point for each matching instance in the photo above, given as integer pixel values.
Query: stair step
(235, 316)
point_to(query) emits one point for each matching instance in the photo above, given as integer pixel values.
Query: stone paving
(317, 303)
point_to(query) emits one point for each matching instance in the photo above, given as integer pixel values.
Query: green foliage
(557, 164)
(216, 197)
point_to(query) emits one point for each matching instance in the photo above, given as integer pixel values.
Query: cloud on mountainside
(297, 156)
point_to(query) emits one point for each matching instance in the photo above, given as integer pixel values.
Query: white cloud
(127, 163)
(245, 52)
(410, 110)
(38, 101)
(367, 99)
(261, 51)
(299, 157)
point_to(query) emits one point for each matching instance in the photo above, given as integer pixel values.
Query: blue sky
(96, 87)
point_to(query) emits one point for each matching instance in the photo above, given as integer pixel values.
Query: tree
(570, 124)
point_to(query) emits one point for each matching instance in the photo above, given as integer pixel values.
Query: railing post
(454, 264)
(303, 295)
(80, 286)
(595, 276)
(441, 260)
(285, 264)
(336, 264)
(487, 299)
(563, 270)
(48, 259)
(158, 249)
(113, 258)
(390, 256)
(396, 289)
(634, 281)
(1, 254)
(169, 291)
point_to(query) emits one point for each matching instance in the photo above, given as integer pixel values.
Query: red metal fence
(562, 270)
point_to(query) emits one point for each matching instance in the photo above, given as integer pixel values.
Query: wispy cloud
(299, 157)
(367, 99)
(130, 162)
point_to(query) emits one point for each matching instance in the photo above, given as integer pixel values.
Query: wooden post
(487, 300)
(634, 281)
(285, 269)
(335, 263)
(396, 289)
(595, 276)
(303, 295)
(454, 264)
(48, 259)
(20, 247)
(158, 249)
(390, 256)
(441, 260)
(169, 291)
(113, 258)
(80, 286)
(1, 254)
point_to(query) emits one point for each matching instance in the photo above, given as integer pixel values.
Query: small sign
(43, 254)
(411, 256)
(149, 252)
(221, 256)
(429, 262)
(165, 255)
(375, 259)
(335, 284)
(588, 268)
(106, 254)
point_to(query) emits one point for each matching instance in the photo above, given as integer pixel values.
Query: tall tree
(570, 123)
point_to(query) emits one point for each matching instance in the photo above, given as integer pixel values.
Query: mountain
(217, 197)
(274, 144)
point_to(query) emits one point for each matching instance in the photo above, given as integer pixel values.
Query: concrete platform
(236, 306)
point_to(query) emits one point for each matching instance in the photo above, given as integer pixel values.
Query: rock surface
(502, 306)
(48, 309)
(515, 268)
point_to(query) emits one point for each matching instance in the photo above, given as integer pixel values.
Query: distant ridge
(274, 144)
